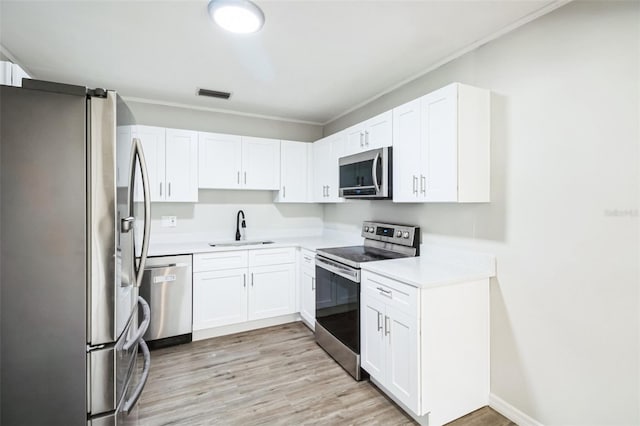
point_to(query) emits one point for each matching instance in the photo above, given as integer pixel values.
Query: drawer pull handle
(384, 292)
(387, 326)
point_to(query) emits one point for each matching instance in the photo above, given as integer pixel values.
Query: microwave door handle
(374, 175)
(147, 212)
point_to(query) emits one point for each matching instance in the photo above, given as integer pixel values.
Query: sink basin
(240, 243)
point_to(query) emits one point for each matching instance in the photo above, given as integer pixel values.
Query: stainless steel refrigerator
(73, 240)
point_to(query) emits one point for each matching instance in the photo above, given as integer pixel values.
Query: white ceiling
(313, 60)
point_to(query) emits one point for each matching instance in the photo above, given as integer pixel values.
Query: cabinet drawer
(307, 259)
(220, 260)
(393, 293)
(274, 256)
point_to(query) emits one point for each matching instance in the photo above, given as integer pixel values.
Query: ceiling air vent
(213, 94)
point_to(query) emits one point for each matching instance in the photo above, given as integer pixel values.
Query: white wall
(214, 216)
(564, 220)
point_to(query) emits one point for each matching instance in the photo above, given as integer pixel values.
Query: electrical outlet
(169, 221)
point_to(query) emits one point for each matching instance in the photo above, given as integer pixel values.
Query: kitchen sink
(240, 243)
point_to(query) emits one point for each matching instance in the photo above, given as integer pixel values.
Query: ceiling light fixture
(237, 16)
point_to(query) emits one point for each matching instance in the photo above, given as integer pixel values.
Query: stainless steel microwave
(366, 175)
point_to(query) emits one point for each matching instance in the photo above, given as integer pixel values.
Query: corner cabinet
(441, 146)
(295, 172)
(172, 162)
(238, 162)
(427, 348)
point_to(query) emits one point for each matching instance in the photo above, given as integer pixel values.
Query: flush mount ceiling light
(237, 16)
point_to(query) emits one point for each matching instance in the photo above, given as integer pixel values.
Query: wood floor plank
(272, 376)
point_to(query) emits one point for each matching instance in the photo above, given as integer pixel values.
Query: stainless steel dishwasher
(167, 286)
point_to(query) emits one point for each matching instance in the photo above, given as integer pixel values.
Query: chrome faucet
(244, 224)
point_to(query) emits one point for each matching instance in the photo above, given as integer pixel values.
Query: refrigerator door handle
(147, 210)
(144, 325)
(131, 402)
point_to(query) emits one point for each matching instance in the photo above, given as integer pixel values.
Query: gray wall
(209, 121)
(564, 218)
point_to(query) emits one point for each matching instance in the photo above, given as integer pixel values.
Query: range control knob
(366, 229)
(399, 234)
(405, 234)
(371, 229)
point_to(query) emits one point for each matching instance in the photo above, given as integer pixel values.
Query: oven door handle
(374, 175)
(338, 269)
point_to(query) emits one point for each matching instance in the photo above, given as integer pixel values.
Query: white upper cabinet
(295, 172)
(181, 165)
(373, 133)
(220, 161)
(12, 74)
(260, 163)
(171, 157)
(238, 162)
(326, 152)
(441, 147)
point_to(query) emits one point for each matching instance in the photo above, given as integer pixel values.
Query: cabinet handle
(361, 139)
(387, 326)
(238, 177)
(252, 279)
(161, 189)
(415, 184)
(366, 138)
(284, 192)
(379, 321)
(244, 279)
(384, 292)
(169, 189)
(423, 184)
(245, 178)
(313, 283)
(328, 190)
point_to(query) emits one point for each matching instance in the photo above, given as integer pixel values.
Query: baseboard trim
(511, 412)
(243, 326)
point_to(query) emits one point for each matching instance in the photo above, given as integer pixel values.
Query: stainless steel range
(338, 287)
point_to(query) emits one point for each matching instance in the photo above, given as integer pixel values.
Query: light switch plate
(169, 221)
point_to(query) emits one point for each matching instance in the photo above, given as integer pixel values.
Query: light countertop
(424, 272)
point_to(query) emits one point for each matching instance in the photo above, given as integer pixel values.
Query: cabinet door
(354, 139)
(220, 161)
(321, 158)
(378, 131)
(401, 332)
(439, 180)
(153, 145)
(293, 172)
(272, 291)
(337, 147)
(219, 298)
(260, 163)
(406, 152)
(181, 163)
(308, 296)
(372, 341)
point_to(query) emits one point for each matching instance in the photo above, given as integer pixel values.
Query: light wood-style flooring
(272, 376)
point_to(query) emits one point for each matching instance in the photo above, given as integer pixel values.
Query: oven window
(338, 307)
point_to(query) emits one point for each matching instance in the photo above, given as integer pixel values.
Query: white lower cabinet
(307, 286)
(389, 341)
(272, 291)
(219, 298)
(427, 348)
(242, 285)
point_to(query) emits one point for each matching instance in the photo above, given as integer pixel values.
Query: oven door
(338, 301)
(366, 174)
